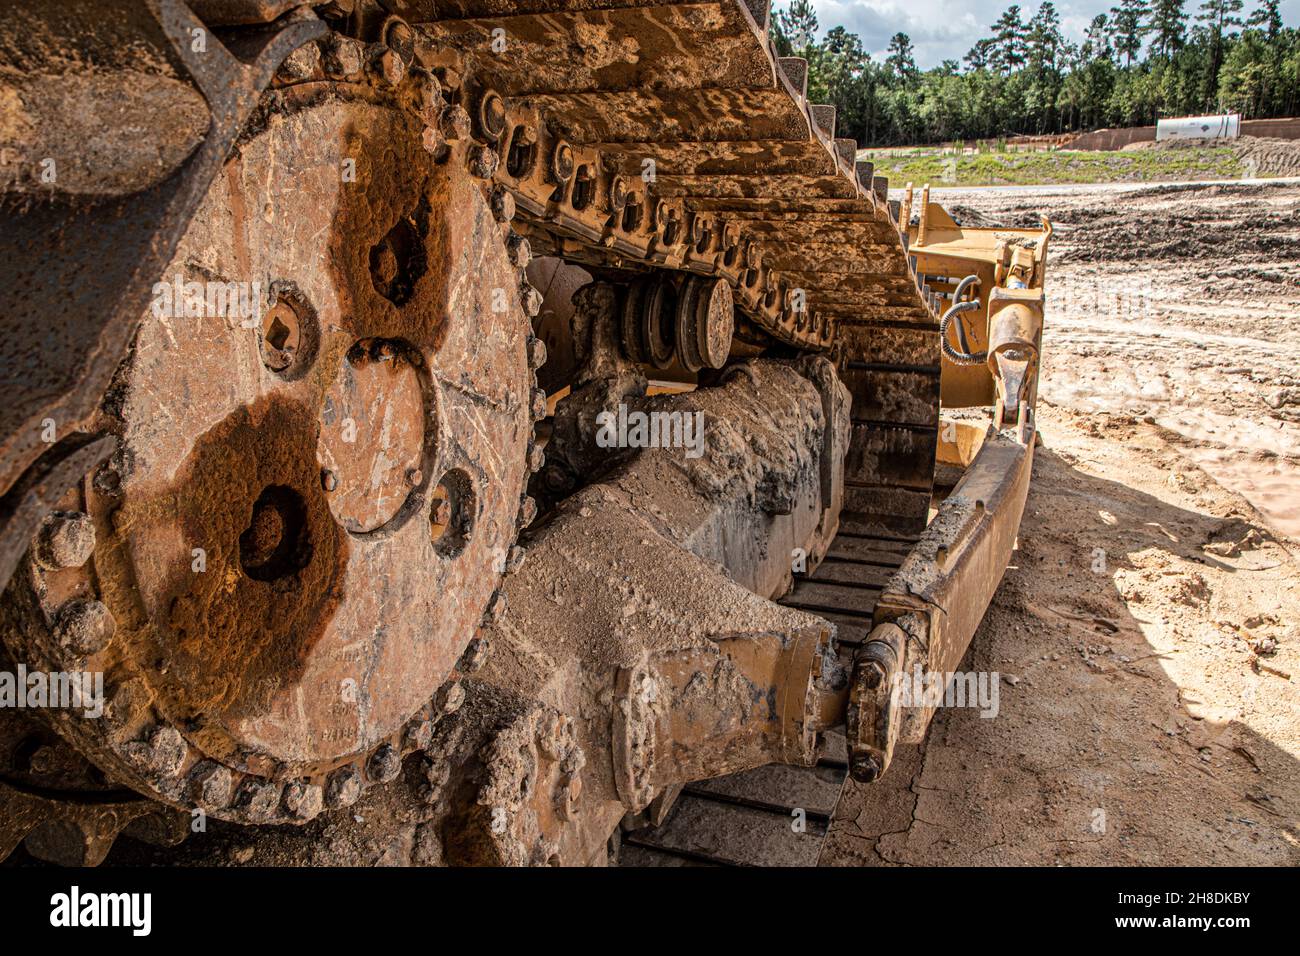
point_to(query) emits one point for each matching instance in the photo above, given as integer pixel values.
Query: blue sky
(946, 29)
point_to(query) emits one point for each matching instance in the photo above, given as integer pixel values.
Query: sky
(947, 29)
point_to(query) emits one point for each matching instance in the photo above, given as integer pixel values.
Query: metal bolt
(384, 764)
(84, 626)
(65, 540)
(575, 759)
(108, 481)
(436, 775)
(531, 299)
(527, 510)
(539, 404)
(536, 459)
(258, 799)
(503, 204)
(536, 352)
(550, 737)
(161, 753)
(391, 67)
(569, 794)
(496, 609)
(449, 698)
(210, 785)
(864, 767)
(454, 124)
(519, 251)
(302, 63)
(482, 161)
(475, 656)
(304, 800)
(432, 141)
(344, 57)
(450, 78)
(418, 735)
(328, 480)
(343, 788)
(414, 476)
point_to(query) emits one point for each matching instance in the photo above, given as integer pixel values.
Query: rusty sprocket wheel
(313, 504)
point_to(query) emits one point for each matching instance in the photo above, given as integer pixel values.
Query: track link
(777, 815)
(684, 142)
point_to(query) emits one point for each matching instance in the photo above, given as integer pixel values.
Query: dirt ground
(1148, 632)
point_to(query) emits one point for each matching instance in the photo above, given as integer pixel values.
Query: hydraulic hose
(962, 355)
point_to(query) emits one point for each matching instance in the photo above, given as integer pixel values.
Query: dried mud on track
(1148, 632)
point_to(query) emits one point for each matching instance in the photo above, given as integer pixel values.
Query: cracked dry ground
(1148, 713)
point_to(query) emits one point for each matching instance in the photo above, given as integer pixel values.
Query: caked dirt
(1147, 634)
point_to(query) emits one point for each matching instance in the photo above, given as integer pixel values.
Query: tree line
(1143, 60)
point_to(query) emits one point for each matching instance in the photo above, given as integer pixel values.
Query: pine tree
(1267, 18)
(1045, 37)
(901, 60)
(1008, 51)
(1128, 21)
(1025, 77)
(1219, 17)
(1096, 42)
(1168, 27)
(980, 55)
(797, 26)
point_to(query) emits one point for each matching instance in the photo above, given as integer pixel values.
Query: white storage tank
(1222, 126)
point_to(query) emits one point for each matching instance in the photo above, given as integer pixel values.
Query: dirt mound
(1269, 157)
(1259, 155)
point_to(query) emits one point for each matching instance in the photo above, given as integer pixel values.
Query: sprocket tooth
(823, 115)
(795, 69)
(865, 171)
(847, 150)
(761, 11)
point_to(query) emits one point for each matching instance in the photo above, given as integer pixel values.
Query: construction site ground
(1148, 632)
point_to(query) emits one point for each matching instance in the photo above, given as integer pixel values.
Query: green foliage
(1143, 61)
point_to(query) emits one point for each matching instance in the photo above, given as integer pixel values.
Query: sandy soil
(1148, 633)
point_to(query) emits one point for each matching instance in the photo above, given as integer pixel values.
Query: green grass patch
(1056, 167)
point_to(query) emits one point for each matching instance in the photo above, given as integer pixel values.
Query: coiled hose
(962, 356)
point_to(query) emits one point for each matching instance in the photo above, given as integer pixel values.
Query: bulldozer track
(637, 137)
(821, 218)
(739, 152)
